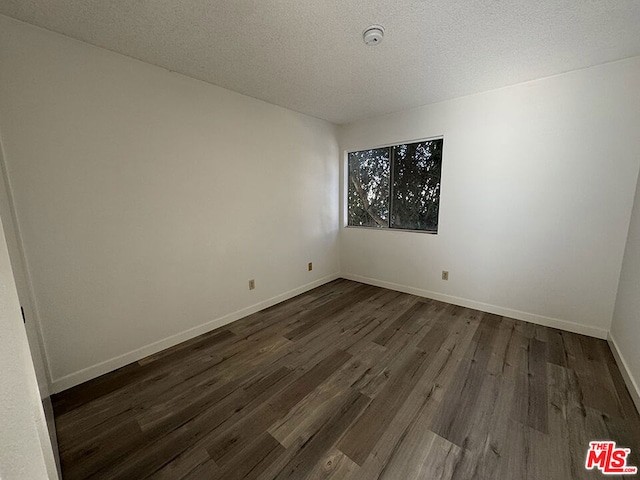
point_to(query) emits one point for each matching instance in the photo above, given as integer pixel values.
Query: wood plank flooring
(350, 381)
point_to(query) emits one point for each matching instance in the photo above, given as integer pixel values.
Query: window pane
(416, 186)
(368, 194)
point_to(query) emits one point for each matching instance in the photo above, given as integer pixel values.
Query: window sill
(382, 229)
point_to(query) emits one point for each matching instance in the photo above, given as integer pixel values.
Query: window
(396, 187)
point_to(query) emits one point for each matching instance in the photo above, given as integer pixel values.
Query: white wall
(146, 200)
(537, 190)
(625, 328)
(25, 449)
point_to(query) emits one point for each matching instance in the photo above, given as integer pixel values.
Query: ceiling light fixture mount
(373, 34)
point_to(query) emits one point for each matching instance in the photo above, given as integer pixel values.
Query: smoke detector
(373, 34)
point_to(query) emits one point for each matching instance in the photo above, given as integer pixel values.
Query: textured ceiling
(308, 55)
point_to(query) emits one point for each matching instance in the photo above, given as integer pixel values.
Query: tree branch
(365, 202)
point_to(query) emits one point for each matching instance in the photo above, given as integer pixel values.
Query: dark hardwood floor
(350, 381)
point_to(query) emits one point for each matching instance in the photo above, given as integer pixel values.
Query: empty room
(394, 240)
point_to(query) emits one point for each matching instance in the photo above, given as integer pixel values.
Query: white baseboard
(485, 307)
(632, 385)
(107, 366)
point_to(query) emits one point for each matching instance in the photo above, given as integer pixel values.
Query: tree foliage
(416, 185)
(368, 194)
(396, 187)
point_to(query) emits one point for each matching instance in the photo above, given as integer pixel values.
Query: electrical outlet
(252, 284)
(310, 266)
(445, 275)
